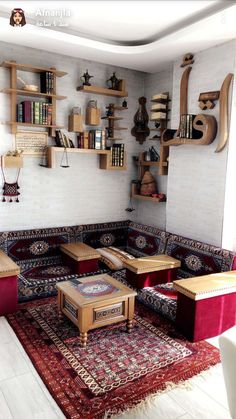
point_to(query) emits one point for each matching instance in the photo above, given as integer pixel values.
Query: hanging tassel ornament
(64, 159)
(10, 190)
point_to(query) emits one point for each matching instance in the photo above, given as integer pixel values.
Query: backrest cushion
(105, 234)
(198, 258)
(145, 240)
(39, 243)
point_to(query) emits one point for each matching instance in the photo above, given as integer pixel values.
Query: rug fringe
(149, 401)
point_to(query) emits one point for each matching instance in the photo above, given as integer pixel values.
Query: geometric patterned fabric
(116, 370)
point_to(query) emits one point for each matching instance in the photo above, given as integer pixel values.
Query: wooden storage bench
(9, 272)
(149, 271)
(206, 305)
(80, 257)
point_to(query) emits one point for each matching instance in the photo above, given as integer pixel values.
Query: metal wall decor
(140, 130)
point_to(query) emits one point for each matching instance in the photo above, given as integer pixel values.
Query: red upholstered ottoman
(151, 270)
(206, 305)
(80, 257)
(8, 284)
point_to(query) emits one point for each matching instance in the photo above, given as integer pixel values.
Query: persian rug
(116, 370)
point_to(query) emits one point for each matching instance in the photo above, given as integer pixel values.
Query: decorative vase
(148, 184)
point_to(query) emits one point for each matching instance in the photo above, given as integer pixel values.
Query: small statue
(86, 78)
(113, 82)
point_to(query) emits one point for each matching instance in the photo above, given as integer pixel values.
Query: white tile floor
(24, 396)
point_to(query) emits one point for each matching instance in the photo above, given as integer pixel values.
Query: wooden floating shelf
(102, 91)
(112, 118)
(26, 124)
(36, 94)
(105, 157)
(151, 163)
(136, 195)
(32, 69)
(160, 100)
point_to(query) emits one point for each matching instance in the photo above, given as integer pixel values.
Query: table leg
(129, 325)
(84, 337)
(59, 298)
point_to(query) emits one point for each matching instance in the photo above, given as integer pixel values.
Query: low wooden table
(9, 272)
(94, 302)
(206, 305)
(149, 271)
(80, 257)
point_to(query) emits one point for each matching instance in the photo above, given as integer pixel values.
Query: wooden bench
(9, 272)
(151, 270)
(80, 257)
(206, 305)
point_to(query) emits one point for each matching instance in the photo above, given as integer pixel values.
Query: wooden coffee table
(94, 302)
(149, 271)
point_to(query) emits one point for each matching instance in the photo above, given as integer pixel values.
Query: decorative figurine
(124, 104)
(140, 130)
(86, 78)
(113, 82)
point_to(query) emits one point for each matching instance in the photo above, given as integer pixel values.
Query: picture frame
(31, 142)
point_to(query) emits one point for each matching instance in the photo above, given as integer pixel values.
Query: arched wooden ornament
(224, 114)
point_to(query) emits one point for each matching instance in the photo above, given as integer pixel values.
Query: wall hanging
(140, 130)
(10, 190)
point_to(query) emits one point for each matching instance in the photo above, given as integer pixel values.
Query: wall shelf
(136, 195)
(15, 92)
(51, 151)
(102, 91)
(33, 94)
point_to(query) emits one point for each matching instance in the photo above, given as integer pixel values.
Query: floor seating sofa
(37, 252)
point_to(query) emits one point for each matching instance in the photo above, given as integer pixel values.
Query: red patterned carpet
(116, 370)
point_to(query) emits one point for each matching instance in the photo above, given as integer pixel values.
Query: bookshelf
(14, 92)
(159, 113)
(105, 157)
(135, 195)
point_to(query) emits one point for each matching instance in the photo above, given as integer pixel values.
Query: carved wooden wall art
(140, 130)
(207, 99)
(204, 123)
(187, 59)
(224, 113)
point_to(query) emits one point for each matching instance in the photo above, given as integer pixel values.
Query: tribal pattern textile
(116, 370)
(145, 240)
(198, 258)
(106, 234)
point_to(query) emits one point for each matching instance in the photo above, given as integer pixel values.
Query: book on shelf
(117, 155)
(158, 106)
(92, 139)
(160, 96)
(158, 115)
(46, 82)
(62, 140)
(33, 112)
(186, 129)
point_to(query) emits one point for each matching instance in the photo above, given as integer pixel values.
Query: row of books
(117, 155)
(34, 112)
(186, 129)
(62, 140)
(46, 82)
(93, 139)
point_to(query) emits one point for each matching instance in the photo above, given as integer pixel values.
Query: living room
(177, 54)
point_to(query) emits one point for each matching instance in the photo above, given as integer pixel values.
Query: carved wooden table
(94, 302)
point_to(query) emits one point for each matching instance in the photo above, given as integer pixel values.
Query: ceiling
(140, 35)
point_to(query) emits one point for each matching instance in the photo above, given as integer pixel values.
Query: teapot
(86, 78)
(113, 82)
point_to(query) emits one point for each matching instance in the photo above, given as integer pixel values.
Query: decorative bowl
(30, 87)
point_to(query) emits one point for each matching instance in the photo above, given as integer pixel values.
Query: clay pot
(148, 184)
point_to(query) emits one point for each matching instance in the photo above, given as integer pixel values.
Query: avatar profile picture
(17, 18)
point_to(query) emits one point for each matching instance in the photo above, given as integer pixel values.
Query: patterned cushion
(105, 234)
(158, 301)
(114, 258)
(145, 241)
(198, 258)
(37, 244)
